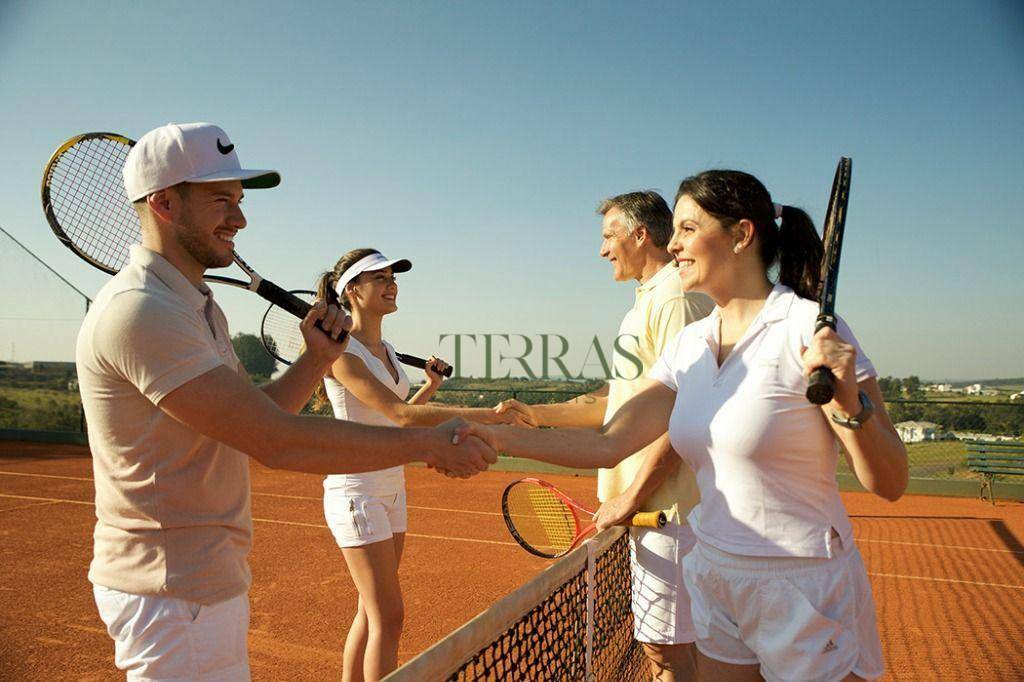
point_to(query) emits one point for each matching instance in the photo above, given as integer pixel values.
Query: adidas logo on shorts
(831, 646)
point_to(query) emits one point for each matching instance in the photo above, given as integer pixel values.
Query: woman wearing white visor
(367, 512)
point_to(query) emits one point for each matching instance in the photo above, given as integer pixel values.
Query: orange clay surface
(947, 573)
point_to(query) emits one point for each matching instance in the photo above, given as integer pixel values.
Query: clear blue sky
(478, 138)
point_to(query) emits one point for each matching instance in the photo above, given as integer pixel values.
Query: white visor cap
(371, 263)
(187, 152)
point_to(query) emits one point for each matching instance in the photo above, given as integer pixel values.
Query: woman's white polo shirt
(765, 458)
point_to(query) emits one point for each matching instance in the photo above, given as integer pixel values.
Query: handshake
(466, 448)
(463, 449)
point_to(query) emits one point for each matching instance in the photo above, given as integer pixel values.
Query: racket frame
(648, 519)
(45, 195)
(821, 384)
(257, 284)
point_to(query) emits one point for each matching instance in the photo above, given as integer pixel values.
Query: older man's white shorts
(168, 639)
(661, 606)
(800, 618)
(357, 520)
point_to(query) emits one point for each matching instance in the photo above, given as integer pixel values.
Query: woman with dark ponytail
(778, 589)
(367, 512)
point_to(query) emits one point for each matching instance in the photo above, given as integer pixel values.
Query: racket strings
(281, 334)
(88, 198)
(542, 519)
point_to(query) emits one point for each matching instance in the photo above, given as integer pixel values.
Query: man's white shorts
(357, 520)
(661, 606)
(800, 618)
(162, 638)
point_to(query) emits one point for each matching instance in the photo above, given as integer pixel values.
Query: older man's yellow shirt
(660, 312)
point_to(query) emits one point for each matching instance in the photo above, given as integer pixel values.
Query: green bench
(991, 459)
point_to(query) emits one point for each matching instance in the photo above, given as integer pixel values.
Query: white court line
(495, 542)
(408, 535)
(946, 580)
(283, 523)
(928, 544)
(66, 478)
(45, 499)
(485, 513)
(278, 495)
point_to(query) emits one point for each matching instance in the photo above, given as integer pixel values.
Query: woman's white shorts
(357, 520)
(800, 618)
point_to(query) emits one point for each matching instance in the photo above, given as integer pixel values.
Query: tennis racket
(87, 208)
(548, 523)
(821, 386)
(281, 336)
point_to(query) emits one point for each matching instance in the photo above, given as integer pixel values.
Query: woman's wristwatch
(867, 408)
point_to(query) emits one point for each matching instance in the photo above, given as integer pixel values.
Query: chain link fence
(44, 397)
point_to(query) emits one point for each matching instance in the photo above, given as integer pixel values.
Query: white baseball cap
(187, 152)
(371, 263)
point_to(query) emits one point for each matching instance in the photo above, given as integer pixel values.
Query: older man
(173, 416)
(635, 230)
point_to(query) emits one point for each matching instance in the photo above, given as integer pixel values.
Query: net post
(591, 584)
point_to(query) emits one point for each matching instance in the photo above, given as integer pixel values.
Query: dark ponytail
(799, 253)
(730, 196)
(325, 291)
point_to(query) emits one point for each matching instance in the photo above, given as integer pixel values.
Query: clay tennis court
(947, 573)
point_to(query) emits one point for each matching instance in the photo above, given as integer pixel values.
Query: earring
(736, 249)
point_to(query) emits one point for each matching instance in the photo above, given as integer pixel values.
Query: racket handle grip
(821, 386)
(418, 363)
(656, 519)
(291, 303)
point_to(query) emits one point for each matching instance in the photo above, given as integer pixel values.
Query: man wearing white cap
(173, 416)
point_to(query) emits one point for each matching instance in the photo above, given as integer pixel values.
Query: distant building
(916, 432)
(939, 388)
(1017, 396)
(985, 437)
(50, 366)
(973, 389)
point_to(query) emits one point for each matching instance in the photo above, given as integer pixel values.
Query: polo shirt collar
(196, 297)
(776, 308)
(778, 303)
(657, 278)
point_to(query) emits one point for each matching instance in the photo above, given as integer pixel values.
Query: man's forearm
(292, 390)
(329, 446)
(224, 406)
(585, 411)
(660, 461)
(570, 447)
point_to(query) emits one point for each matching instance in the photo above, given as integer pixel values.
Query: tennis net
(571, 622)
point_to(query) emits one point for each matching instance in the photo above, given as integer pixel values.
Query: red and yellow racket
(549, 523)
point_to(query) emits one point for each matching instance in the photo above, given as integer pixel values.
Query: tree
(912, 387)
(254, 357)
(891, 387)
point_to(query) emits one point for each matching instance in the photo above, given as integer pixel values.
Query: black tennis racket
(282, 337)
(86, 205)
(821, 386)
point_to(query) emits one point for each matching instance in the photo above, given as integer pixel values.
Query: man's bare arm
(224, 406)
(584, 411)
(293, 389)
(659, 462)
(640, 421)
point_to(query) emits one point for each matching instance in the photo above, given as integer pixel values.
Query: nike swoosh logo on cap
(222, 149)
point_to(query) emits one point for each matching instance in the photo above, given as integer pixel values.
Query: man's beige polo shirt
(172, 506)
(660, 312)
